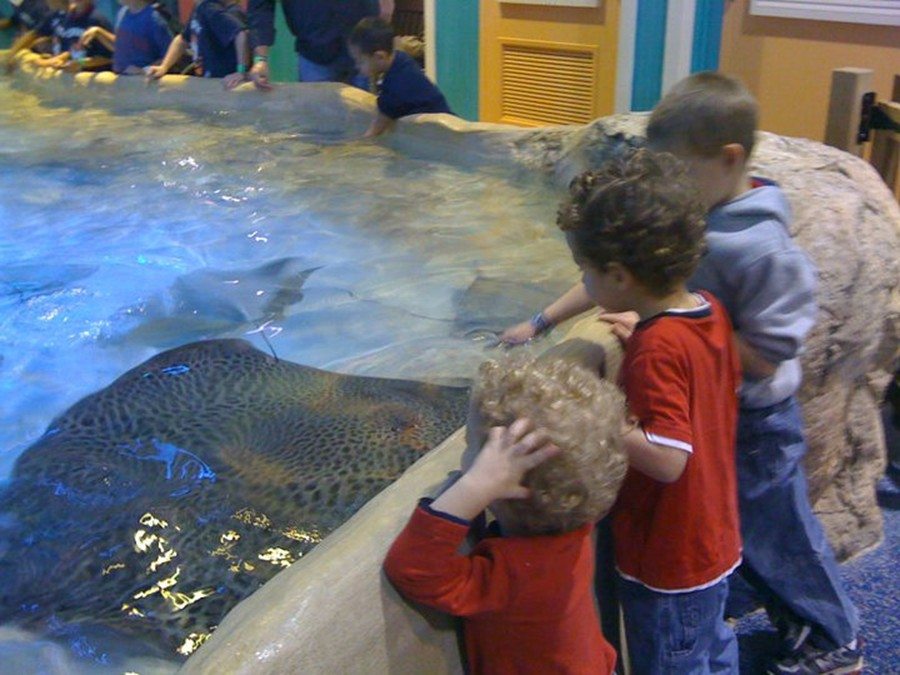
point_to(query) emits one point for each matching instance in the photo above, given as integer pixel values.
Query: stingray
(489, 305)
(28, 280)
(208, 303)
(156, 504)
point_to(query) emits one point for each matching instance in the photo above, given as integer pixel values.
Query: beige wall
(787, 64)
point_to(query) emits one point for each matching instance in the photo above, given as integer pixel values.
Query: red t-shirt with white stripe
(681, 374)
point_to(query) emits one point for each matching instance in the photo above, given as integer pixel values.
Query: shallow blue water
(124, 235)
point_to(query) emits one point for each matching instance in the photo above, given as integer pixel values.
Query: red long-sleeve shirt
(527, 602)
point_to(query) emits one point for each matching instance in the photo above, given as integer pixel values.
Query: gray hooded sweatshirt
(766, 282)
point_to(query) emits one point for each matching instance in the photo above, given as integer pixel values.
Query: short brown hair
(640, 210)
(703, 113)
(372, 35)
(582, 414)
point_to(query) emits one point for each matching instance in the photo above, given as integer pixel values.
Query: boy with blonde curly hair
(551, 466)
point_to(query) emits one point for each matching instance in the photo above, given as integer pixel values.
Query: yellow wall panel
(547, 64)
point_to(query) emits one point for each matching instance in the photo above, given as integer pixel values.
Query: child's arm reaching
(240, 50)
(571, 303)
(380, 124)
(176, 50)
(99, 33)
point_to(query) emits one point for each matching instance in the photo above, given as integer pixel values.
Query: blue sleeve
(776, 304)
(391, 105)
(45, 27)
(224, 25)
(261, 17)
(161, 36)
(187, 32)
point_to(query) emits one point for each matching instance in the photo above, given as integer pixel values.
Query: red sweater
(527, 602)
(681, 373)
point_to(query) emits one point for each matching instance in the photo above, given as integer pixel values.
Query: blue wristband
(540, 323)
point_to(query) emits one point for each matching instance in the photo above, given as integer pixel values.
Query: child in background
(26, 15)
(218, 36)
(142, 37)
(635, 228)
(64, 26)
(525, 595)
(29, 37)
(404, 89)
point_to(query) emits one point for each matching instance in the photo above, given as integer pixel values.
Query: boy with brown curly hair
(526, 596)
(635, 228)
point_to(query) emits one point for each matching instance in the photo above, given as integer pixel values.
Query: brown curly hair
(640, 210)
(582, 414)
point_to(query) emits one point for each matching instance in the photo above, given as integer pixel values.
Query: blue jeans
(678, 633)
(342, 69)
(787, 558)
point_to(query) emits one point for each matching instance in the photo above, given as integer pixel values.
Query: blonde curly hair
(582, 415)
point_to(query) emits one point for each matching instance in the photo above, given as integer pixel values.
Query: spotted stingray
(156, 504)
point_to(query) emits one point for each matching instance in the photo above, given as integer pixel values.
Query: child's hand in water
(519, 334)
(497, 473)
(154, 72)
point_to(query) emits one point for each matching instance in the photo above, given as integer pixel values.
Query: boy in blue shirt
(404, 89)
(217, 34)
(142, 37)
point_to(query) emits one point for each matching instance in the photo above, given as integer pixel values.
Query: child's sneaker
(814, 661)
(793, 635)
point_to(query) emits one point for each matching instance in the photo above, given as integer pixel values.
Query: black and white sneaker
(811, 660)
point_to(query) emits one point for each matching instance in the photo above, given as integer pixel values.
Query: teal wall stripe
(649, 51)
(707, 35)
(6, 36)
(456, 50)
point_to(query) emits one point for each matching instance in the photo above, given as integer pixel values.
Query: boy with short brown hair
(768, 285)
(403, 89)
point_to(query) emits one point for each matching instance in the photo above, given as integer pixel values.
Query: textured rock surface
(848, 222)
